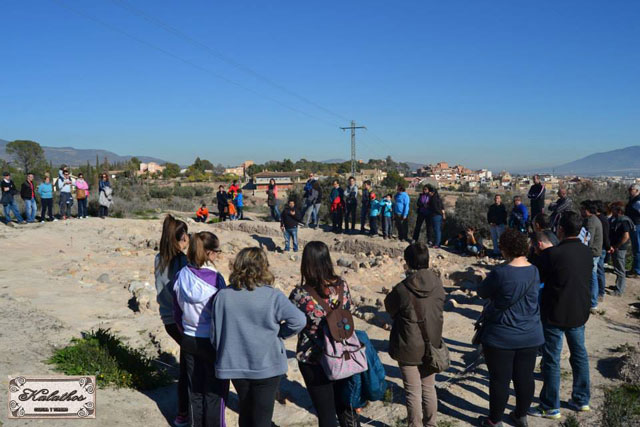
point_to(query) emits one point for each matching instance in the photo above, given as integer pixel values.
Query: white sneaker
(41, 221)
(55, 219)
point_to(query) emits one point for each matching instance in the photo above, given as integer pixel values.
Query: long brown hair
(251, 270)
(199, 245)
(316, 268)
(173, 230)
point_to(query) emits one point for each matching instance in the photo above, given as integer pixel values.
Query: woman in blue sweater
(250, 320)
(513, 330)
(401, 213)
(45, 191)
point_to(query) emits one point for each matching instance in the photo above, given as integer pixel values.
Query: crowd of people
(69, 189)
(543, 293)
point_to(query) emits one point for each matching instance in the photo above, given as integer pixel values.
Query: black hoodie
(406, 344)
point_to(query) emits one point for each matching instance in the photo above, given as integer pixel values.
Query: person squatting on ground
(289, 221)
(351, 204)
(250, 319)
(565, 306)
(202, 214)
(317, 271)
(497, 219)
(168, 262)
(512, 332)
(422, 290)
(194, 288)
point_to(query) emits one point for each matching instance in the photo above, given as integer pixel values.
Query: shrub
(622, 406)
(185, 192)
(104, 355)
(469, 211)
(160, 192)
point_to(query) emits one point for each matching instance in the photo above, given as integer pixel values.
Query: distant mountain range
(79, 156)
(620, 162)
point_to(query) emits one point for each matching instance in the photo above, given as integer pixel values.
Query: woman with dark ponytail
(195, 287)
(168, 262)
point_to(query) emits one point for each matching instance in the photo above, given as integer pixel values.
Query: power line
(188, 62)
(221, 56)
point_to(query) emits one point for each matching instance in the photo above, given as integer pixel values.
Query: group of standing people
(230, 202)
(69, 189)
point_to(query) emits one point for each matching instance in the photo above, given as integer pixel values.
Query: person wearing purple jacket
(195, 287)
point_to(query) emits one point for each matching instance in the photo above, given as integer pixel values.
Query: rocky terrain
(58, 279)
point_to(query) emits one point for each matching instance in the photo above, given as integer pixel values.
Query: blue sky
(501, 83)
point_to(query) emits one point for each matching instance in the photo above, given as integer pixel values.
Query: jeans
(473, 249)
(350, 214)
(12, 206)
(202, 219)
(240, 214)
(257, 398)
(275, 215)
(579, 360)
(594, 282)
(496, 232)
(422, 400)
(183, 380)
(373, 225)
(207, 394)
(30, 208)
(635, 243)
(47, 207)
(402, 224)
(82, 208)
(602, 283)
(291, 233)
(505, 366)
(66, 200)
(311, 215)
(436, 220)
(420, 219)
(326, 397)
(386, 226)
(619, 269)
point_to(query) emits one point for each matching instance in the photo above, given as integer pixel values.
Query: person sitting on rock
(422, 290)
(473, 242)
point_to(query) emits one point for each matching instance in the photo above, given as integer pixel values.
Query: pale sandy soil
(49, 293)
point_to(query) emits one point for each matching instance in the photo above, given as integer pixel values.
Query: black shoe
(486, 422)
(519, 422)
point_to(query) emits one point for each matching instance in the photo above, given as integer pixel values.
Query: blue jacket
(369, 385)
(247, 331)
(376, 207)
(45, 190)
(239, 200)
(402, 204)
(387, 208)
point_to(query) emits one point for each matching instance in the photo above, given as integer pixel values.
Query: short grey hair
(634, 187)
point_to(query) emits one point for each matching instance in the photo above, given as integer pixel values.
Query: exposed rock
(385, 290)
(103, 278)
(343, 262)
(629, 367)
(354, 266)
(365, 265)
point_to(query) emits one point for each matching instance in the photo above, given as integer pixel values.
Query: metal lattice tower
(353, 128)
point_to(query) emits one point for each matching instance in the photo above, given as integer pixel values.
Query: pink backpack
(343, 355)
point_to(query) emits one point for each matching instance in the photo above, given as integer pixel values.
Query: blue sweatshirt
(247, 331)
(239, 200)
(402, 204)
(45, 190)
(376, 206)
(387, 208)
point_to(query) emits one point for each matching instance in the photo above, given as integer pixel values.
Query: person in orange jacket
(202, 215)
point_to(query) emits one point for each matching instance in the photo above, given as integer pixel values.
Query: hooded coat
(406, 344)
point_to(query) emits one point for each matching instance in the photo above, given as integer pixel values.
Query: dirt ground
(58, 279)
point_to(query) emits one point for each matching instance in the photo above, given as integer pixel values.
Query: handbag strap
(314, 294)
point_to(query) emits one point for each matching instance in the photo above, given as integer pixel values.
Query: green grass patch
(446, 423)
(570, 421)
(103, 354)
(621, 406)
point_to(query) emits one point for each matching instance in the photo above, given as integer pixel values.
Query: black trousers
(364, 214)
(422, 219)
(207, 394)
(183, 380)
(257, 398)
(103, 211)
(336, 220)
(504, 366)
(373, 225)
(402, 224)
(47, 206)
(221, 213)
(350, 214)
(325, 396)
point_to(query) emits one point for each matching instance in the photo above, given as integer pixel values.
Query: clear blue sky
(497, 83)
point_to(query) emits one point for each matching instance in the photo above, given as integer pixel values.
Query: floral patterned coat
(311, 339)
